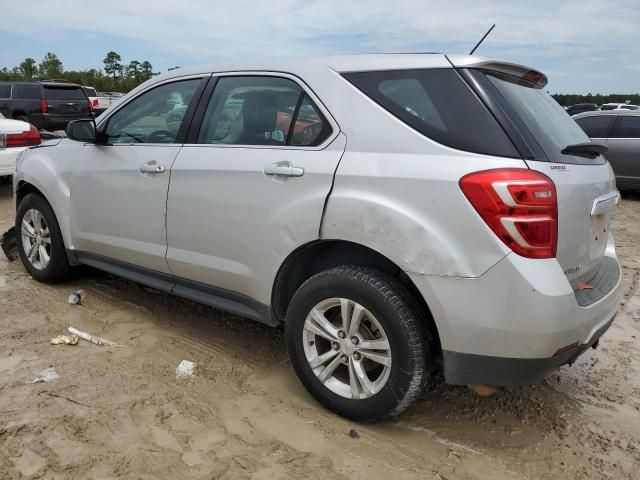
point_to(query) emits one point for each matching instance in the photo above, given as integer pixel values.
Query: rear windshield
(91, 92)
(544, 117)
(438, 104)
(608, 107)
(57, 93)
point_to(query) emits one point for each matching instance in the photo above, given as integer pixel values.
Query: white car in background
(618, 106)
(15, 136)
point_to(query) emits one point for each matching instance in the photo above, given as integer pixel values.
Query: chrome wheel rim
(36, 239)
(347, 348)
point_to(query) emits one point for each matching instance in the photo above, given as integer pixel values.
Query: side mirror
(83, 130)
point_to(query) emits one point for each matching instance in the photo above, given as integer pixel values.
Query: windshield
(544, 117)
(56, 93)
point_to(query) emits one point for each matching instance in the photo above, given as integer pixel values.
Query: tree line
(566, 100)
(116, 76)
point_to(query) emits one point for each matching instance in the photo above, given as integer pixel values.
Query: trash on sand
(46, 375)
(186, 369)
(9, 244)
(65, 339)
(353, 433)
(92, 338)
(76, 297)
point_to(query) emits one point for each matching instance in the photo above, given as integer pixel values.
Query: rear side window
(261, 110)
(628, 127)
(438, 104)
(56, 93)
(608, 107)
(27, 92)
(596, 126)
(5, 91)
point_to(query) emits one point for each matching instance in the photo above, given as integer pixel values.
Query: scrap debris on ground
(120, 413)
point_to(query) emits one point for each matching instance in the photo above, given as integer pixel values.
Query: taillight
(95, 103)
(24, 139)
(44, 108)
(520, 206)
(90, 107)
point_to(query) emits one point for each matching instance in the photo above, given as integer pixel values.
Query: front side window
(261, 110)
(27, 92)
(439, 105)
(153, 117)
(629, 127)
(596, 126)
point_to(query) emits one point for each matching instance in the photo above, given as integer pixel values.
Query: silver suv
(399, 214)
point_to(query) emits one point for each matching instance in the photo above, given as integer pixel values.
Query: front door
(624, 150)
(253, 187)
(119, 189)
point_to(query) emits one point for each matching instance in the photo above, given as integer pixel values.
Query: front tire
(39, 240)
(356, 343)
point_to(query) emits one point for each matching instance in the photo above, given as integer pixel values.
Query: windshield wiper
(589, 149)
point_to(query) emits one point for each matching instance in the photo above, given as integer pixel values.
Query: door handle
(283, 169)
(151, 167)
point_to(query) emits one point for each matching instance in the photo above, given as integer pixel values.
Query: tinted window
(27, 92)
(260, 111)
(55, 93)
(629, 127)
(438, 104)
(596, 126)
(5, 91)
(153, 117)
(608, 107)
(542, 115)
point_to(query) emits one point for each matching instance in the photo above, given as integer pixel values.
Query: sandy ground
(121, 412)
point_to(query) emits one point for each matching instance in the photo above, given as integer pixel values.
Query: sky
(582, 45)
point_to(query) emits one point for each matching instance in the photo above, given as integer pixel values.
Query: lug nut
(341, 334)
(344, 359)
(335, 345)
(355, 340)
(356, 356)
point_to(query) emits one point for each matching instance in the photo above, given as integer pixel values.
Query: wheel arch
(320, 255)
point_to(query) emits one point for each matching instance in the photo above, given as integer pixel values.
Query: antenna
(482, 39)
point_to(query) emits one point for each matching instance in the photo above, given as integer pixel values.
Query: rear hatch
(66, 101)
(584, 181)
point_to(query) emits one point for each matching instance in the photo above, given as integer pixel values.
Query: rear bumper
(8, 158)
(467, 368)
(48, 121)
(505, 327)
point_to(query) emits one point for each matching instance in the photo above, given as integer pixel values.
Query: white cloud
(572, 32)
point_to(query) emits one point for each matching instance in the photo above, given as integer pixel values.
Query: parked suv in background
(619, 130)
(47, 105)
(395, 212)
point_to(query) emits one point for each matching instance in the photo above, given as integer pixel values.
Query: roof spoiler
(527, 75)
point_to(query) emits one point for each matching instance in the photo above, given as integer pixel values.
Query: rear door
(66, 101)
(585, 187)
(251, 184)
(624, 149)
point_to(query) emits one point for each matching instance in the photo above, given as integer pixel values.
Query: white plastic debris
(65, 339)
(92, 338)
(186, 369)
(46, 375)
(76, 297)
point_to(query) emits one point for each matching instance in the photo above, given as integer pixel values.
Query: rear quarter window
(56, 93)
(596, 126)
(27, 92)
(5, 91)
(439, 105)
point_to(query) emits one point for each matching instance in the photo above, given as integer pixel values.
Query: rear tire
(366, 373)
(39, 240)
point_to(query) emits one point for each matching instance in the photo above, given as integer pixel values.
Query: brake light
(24, 139)
(44, 108)
(90, 107)
(520, 206)
(95, 103)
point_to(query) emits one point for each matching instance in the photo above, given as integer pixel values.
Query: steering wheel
(161, 136)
